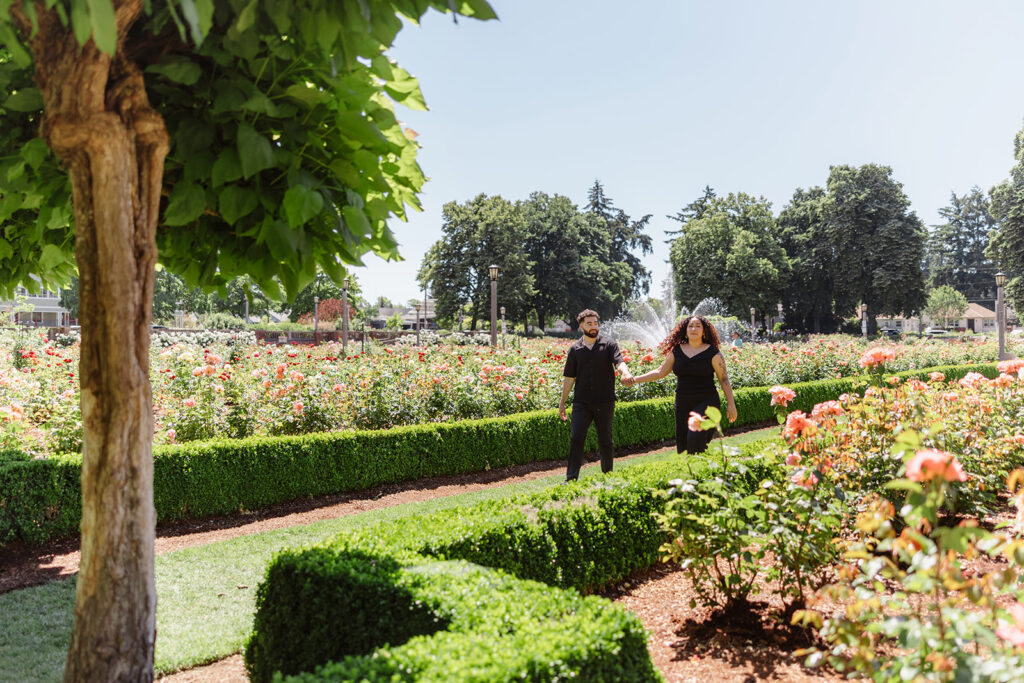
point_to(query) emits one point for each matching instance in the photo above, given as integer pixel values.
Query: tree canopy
(945, 305)
(1007, 246)
(956, 248)
(731, 252)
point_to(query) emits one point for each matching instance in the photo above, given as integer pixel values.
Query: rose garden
(879, 525)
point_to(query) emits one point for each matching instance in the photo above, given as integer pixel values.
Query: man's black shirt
(594, 370)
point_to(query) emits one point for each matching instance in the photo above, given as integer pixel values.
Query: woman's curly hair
(678, 334)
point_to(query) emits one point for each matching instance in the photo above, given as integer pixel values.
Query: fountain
(649, 326)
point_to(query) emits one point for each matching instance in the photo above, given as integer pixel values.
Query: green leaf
(188, 201)
(34, 152)
(9, 39)
(6, 250)
(199, 17)
(177, 69)
(227, 168)
(51, 257)
(26, 99)
(301, 204)
(236, 202)
(357, 222)
(104, 24)
(280, 12)
(279, 238)
(246, 18)
(254, 151)
(80, 23)
(307, 96)
(904, 485)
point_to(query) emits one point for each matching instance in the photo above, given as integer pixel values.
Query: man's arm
(567, 383)
(625, 376)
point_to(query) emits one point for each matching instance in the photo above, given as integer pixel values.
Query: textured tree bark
(97, 119)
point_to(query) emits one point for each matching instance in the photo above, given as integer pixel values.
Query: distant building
(46, 310)
(559, 327)
(976, 318)
(427, 316)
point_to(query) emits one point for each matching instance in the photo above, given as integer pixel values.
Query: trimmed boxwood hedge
(345, 595)
(433, 621)
(41, 499)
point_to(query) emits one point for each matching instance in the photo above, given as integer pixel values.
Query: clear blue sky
(659, 98)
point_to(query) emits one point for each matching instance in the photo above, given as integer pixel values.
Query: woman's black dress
(695, 391)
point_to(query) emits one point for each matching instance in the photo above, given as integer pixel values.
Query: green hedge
(41, 499)
(367, 588)
(433, 621)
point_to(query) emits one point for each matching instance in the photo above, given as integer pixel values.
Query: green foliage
(1006, 248)
(809, 292)
(286, 155)
(219, 476)
(625, 236)
(945, 304)
(464, 623)
(324, 288)
(731, 253)
(956, 249)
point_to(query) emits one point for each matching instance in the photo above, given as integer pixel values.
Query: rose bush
(241, 388)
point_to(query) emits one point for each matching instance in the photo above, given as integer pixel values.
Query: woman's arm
(718, 363)
(665, 368)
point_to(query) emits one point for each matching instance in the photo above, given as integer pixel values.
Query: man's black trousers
(582, 415)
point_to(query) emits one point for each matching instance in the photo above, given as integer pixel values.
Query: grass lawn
(206, 595)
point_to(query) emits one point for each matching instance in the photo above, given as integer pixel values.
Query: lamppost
(417, 324)
(502, 327)
(344, 317)
(494, 305)
(316, 317)
(780, 315)
(1001, 314)
(179, 314)
(864, 320)
(752, 312)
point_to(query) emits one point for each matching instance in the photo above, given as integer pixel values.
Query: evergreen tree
(956, 248)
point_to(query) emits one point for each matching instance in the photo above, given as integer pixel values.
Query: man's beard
(590, 333)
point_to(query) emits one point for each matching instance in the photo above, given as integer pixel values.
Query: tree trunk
(98, 120)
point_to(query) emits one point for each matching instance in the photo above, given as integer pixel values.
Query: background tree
(809, 295)
(695, 209)
(481, 232)
(956, 248)
(241, 295)
(69, 297)
(626, 237)
(268, 125)
(731, 253)
(1006, 248)
(945, 304)
(570, 253)
(325, 288)
(879, 243)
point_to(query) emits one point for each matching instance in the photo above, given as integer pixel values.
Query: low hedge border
(352, 595)
(41, 499)
(366, 618)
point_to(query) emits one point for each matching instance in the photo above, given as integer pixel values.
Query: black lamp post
(752, 312)
(1001, 314)
(864, 320)
(494, 305)
(344, 317)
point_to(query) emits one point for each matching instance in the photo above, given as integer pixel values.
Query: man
(590, 365)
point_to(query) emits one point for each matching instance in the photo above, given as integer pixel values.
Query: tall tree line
(554, 258)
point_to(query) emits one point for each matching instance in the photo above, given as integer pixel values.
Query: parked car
(894, 334)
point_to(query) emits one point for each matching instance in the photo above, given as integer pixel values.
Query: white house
(44, 309)
(976, 318)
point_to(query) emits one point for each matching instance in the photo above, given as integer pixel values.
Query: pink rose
(1011, 366)
(171, 434)
(189, 402)
(1014, 634)
(971, 379)
(805, 479)
(694, 422)
(877, 355)
(297, 407)
(951, 396)
(798, 424)
(929, 463)
(793, 459)
(781, 396)
(936, 377)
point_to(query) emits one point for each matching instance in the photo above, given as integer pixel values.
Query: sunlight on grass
(206, 595)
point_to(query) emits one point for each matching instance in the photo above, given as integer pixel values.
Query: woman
(691, 352)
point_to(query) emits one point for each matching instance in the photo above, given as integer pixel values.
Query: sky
(658, 99)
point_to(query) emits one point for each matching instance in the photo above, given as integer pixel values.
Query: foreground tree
(810, 289)
(268, 125)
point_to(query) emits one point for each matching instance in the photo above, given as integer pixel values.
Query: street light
(316, 317)
(752, 312)
(417, 324)
(179, 315)
(1001, 314)
(780, 314)
(344, 317)
(502, 327)
(494, 305)
(864, 320)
